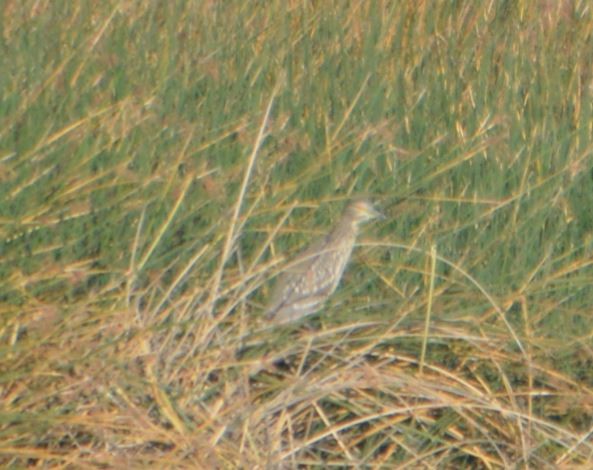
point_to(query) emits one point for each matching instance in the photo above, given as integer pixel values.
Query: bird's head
(361, 211)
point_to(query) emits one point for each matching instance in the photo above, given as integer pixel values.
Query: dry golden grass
(152, 190)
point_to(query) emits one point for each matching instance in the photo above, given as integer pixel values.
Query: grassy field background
(161, 161)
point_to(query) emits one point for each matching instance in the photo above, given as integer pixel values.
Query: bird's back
(312, 277)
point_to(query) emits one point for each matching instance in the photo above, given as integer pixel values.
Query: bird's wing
(284, 290)
(296, 310)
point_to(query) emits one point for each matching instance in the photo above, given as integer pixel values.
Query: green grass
(160, 161)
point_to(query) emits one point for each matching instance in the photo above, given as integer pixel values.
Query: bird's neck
(346, 229)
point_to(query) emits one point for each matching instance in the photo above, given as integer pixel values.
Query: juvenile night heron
(316, 272)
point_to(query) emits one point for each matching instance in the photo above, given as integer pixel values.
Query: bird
(307, 282)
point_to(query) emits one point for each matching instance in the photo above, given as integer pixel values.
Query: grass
(159, 164)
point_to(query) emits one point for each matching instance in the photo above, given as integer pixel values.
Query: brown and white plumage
(316, 272)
